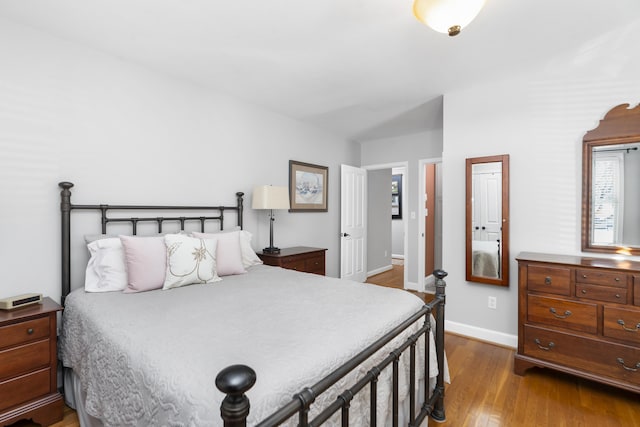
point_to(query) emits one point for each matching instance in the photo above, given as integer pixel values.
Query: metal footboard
(236, 380)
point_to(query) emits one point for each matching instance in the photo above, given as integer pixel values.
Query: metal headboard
(66, 207)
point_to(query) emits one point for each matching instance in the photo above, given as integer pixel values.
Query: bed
(281, 347)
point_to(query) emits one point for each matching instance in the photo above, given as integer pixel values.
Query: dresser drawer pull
(617, 279)
(541, 347)
(634, 369)
(30, 331)
(547, 280)
(621, 323)
(584, 292)
(566, 314)
(584, 276)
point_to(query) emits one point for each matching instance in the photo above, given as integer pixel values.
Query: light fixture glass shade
(270, 197)
(447, 16)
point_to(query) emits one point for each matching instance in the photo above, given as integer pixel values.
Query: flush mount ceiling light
(447, 16)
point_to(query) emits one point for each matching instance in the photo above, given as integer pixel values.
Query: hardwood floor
(484, 392)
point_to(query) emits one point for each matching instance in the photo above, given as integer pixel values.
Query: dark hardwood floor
(484, 391)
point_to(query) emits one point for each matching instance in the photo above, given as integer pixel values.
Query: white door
(353, 223)
(487, 207)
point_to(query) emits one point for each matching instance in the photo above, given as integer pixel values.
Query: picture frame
(308, 187)
(396, 196)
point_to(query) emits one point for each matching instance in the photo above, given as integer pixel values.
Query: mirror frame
(504, 259)
(620, 125)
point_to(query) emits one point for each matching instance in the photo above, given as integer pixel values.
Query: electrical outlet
(492, 303)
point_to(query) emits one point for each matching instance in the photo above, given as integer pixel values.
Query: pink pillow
(228, 252)
(146, 259)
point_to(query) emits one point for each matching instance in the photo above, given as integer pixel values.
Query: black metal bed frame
(234, 381)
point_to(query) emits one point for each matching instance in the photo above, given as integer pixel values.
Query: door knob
(346, 234)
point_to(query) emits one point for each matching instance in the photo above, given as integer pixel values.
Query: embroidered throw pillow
(190, 260)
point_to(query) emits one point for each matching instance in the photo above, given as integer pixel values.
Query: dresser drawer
(601, 293)
(23, 332)
(622, 324)
(615, 361)
(578, 316)
(24, 388)
(553, 280)
(598, 277)
(18, 360)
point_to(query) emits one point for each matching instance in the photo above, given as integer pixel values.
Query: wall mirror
(610, 174)
(487, 220)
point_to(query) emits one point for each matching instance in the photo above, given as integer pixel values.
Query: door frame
(422, 212)
(405, 207)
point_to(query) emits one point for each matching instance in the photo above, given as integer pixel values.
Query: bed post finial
(65, 211)
(234, 381)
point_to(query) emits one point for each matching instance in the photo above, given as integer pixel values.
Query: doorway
(430, 243)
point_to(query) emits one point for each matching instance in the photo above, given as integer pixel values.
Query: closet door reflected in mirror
(487, 220)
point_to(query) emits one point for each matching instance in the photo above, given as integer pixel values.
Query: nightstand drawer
(294, 264)
(23, 332)
(315, 264)
(18, 360)
(24, 388)
(578, 316)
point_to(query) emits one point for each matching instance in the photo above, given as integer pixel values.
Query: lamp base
(271, 250)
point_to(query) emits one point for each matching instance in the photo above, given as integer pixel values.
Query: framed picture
(308, 187)
(396, 196)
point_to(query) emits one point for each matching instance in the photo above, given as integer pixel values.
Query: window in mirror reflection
(615, 169)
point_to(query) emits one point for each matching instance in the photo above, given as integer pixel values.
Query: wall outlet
(492, 303)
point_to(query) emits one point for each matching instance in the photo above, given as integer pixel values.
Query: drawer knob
(618, 296)
(634, 369)
(621, 323)
(617, 279)
(584, 276)
(30, 331)
(566, 314)
(547, 280)
(541, 347)
(584, 291)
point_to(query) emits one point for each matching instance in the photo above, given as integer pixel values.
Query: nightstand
(28, 364)
(299, 258)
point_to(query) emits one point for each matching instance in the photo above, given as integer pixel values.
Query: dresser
(299, 258)
(28, 364)
(580, 315)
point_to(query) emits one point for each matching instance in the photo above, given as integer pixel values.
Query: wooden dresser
(300, 258)
(28, 364)
(580, 315)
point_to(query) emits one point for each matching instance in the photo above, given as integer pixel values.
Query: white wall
(407, 148)
(539, 119)
(125, 134)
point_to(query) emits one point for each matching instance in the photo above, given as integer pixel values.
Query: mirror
(610, 172)
(487, 220)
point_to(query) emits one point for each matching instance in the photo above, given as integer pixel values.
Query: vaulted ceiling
(362, 69)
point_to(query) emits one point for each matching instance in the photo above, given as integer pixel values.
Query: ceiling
(360, 69)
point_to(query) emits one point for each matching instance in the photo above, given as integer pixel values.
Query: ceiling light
(447, 16)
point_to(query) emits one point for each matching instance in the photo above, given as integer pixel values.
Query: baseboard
(482, 334)
(379, 270)
(413, 286)
(397, 256)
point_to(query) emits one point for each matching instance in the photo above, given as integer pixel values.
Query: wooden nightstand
(300, 258)
(28, 364)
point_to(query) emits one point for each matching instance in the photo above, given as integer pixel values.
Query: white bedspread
(152, 358)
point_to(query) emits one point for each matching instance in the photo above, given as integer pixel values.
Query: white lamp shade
(441, 15)
(270, 197)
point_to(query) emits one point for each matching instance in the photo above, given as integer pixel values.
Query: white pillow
(106, 269)
(249, 256)
(189, 260)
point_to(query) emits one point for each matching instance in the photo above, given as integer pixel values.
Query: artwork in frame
(396, 196)
(308, 187)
